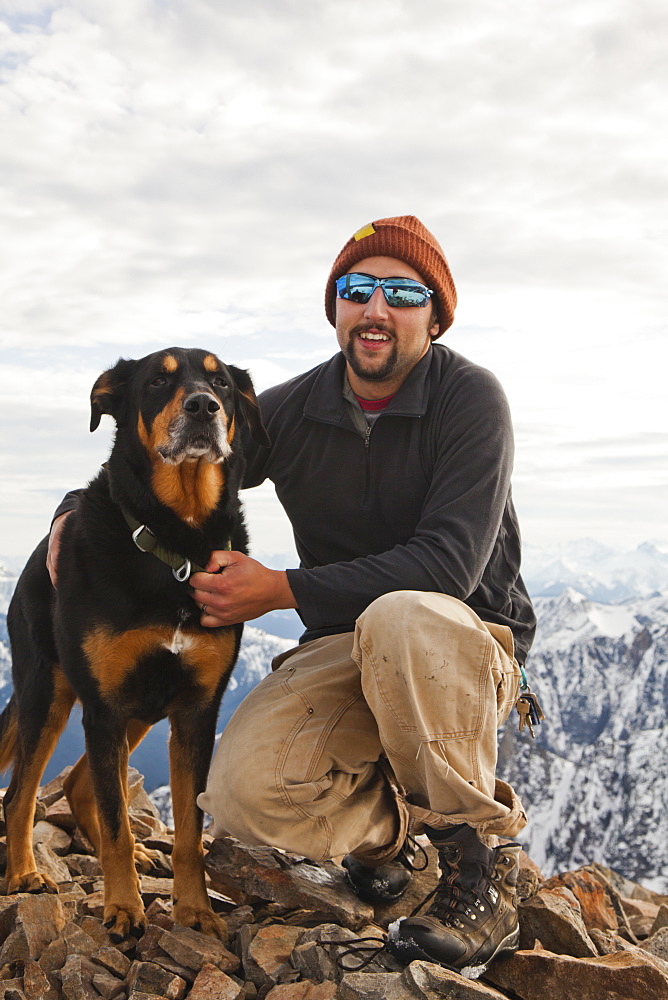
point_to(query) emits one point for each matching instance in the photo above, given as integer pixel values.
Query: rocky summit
(295, 930)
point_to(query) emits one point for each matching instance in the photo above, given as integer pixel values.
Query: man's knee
(400, 610)
(240, 795)
(390, 610)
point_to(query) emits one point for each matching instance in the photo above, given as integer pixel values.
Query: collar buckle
(136, 535)
(182, 573)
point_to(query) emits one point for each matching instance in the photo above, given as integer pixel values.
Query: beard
(366, 369)
(394, 366)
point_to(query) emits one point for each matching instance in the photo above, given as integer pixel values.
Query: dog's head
(184, 404)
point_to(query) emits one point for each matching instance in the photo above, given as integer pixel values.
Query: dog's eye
(220, 381)
(159, 380)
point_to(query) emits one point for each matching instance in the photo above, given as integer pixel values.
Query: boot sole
(408, 950)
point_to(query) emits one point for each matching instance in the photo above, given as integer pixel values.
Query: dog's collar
(146, 541)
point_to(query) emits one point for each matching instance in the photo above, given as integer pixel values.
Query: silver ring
(204, 611)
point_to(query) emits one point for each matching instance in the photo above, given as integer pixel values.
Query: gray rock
(292, 881)
(430, 981)
(267, 959)
(48, 862)
(374, 986)
(108, 986)
(193, 949)
(213, 984)
(112, 960)
(36, 921)
(77, 978)
(313, 962)
(147, 977)
(553, 917)
(657, 944)
(51, 836)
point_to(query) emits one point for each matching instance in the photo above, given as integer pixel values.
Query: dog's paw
(30, 882)
(201, 918)
(124, 920)
(146, 859)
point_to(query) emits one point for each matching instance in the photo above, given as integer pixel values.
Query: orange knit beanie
(405, 238)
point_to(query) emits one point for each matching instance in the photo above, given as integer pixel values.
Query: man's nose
(376, 306)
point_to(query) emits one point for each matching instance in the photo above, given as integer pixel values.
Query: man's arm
(65, 507)
(57, 526)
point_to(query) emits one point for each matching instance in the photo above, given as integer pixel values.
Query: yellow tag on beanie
(364, 231)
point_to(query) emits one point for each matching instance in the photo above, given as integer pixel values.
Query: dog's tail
(8, 725)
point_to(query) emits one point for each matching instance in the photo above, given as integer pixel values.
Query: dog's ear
(108, 391)
(249, 405)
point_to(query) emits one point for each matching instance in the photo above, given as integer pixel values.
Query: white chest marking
(179, 643)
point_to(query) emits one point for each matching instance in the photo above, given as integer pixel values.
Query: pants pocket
(505, 671)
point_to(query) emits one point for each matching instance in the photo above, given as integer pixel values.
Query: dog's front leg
(190, 748)
(78, 786)
(107, 752)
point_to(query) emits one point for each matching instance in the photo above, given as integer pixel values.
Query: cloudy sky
(184, 172)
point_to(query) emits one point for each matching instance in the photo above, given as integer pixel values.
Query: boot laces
(457, 895)
(417, 851)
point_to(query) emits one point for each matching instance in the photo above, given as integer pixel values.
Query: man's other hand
(54, 546)
(235, 588)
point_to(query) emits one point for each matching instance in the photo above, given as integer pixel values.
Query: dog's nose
(201, 405)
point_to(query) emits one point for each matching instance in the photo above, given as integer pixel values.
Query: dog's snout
(201, 405)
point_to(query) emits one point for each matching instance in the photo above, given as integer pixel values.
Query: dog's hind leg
(40, 719)
(107, 752)
(8, 734)
(190, 747)
(78, 787)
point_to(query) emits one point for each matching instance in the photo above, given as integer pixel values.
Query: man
(393, 462)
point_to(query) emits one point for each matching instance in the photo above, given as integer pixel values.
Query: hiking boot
(385, 883)
(472, 916)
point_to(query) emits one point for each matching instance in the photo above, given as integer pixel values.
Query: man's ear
(108, 392)
(249, 405)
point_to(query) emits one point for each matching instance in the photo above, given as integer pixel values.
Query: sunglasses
(398, 292)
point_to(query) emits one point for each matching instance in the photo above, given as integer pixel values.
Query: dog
(121, 632)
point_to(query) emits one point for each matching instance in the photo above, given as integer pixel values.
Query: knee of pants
(243, 798)
(389, 611)
(392, 613)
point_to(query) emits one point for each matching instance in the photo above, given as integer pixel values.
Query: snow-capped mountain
(7, 583)
(601, 573)
(595, 781)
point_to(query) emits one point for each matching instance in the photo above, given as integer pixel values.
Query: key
(524, 708)
(536, 711)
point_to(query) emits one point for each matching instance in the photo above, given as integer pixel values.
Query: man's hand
(54, 546)
(243, 589)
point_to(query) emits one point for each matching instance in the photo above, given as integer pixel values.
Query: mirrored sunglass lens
(355, 288)
(405, 295)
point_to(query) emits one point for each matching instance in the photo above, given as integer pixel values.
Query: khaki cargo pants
(354, 735)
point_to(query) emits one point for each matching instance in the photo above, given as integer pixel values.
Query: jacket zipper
(366, 500)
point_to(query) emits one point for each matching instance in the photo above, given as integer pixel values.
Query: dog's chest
(159, 663)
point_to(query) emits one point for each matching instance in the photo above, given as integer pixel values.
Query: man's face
(382, 344)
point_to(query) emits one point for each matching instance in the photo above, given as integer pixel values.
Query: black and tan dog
(121, 633)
